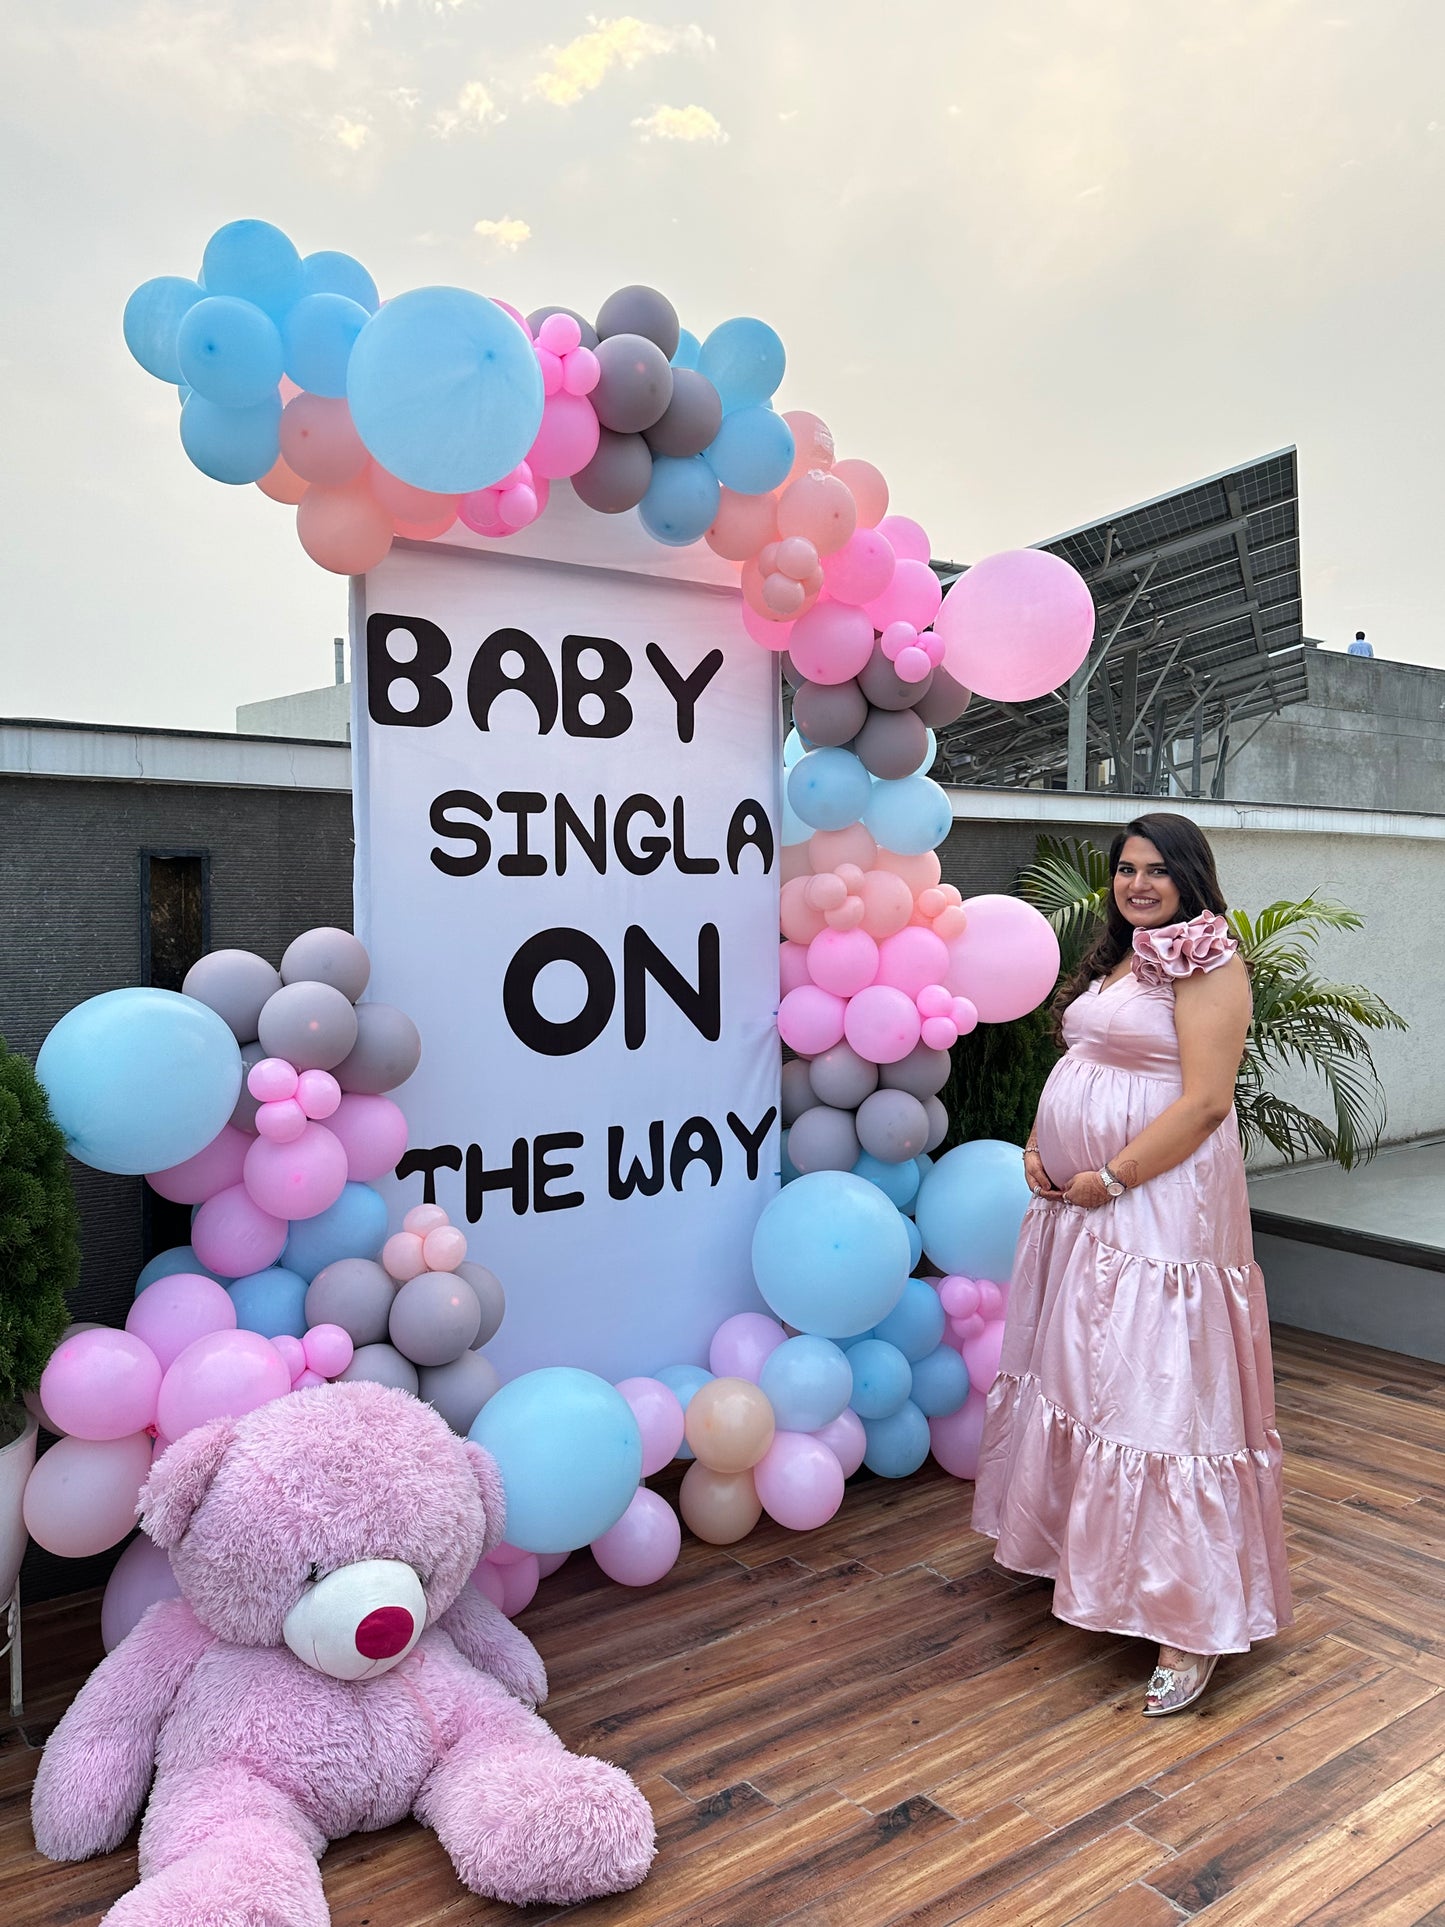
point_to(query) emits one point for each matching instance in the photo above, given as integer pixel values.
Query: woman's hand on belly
(1037, 1178)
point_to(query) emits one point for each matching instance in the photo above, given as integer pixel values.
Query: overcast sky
(1037, 259)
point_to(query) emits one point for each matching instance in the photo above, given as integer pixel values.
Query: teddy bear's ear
(488, 1476)
(180, 1479)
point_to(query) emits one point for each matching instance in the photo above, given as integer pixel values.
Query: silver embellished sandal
(1172, 1688)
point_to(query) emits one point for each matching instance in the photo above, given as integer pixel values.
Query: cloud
(475, 110)
(680, 124)
(352, 134)
(507, 233)
(584, 63)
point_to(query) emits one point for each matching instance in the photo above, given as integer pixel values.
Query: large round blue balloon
(230, 352)
(915, 1324)
(445, 390)
(140, 1079)
(970, 1207)
(881, 1378)
(910, 814)
(808, 1382)
(170, 1264)
(830, 1254)
(688, 349)
(318, 338)
(829, 788)
(752, 451)
(681, 502)
(353, 1227)
(331, 273)
(232, 445)
(744, 361)
(940, 1382)
(683, 1381)
(897, 1445)
(570, 1454)
(255, 261)
(152, 321)
(271, 1302)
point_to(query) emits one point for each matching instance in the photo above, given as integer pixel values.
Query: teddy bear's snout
(358, 1621)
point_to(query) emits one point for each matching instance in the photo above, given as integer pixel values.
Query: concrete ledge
(1355, 1295)
(105, 753)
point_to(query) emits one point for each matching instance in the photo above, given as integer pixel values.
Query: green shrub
(39, 1230)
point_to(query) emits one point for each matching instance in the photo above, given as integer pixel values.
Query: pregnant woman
(1129, 1449)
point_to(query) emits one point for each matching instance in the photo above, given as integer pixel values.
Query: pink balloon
(981, 1355)
(550, 1562)
(908, 539)
(142, 1575)
(845, 1439)
(506, 1555)
(887, 904)
(843, 961)
(567, 439)
(881, 1024)
(559, 334)
(992, 1299)
(487, 1579)
(742, 1344)
(767, 634)
(214, 1168)
(318, 1094)
(272, 1080)
(913, 595)
(371, 1132)
(303, 1381)
(445, 1248)
(912, 959)
(174, 1312)
(101, 1384)
(280, 1122)
(319, 441)
(831, 643)
(659, 1415)
(581, 371)
(643, 1546)
(293, 1352)
(956, 1439)
(81, 1497)
(423, 1218)
(223, 1375)
(792, 967)
(300, 1179)
(519, 1584)
(345, 529)
(403, 1257)
(1007, 960)
(861, 569)
(958, 1295)
(799, 1481)
(811, 1020)
(1016, 625)
(233, 1236)
(327, 1349)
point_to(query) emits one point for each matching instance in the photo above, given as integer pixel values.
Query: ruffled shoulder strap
(1180, 949)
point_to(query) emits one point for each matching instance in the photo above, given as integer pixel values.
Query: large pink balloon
(956, 1438)
(908, 539)
(658, 1412)
(799, 1481)
(567, 439)
(912, 959)
(843, 961)
(223, 1375)
(372, 1133)
(643, 1546)
(233, 1236)
(981, 1355)
(742, 1344)
(1016, 625)
(213, 1168)
(101, 1384)
(913, 595)
(831, 643)
(881, 1024)
(81, 1496)
(811, 1020)
(1007, 960)
(861, 569)
(298, 1179)
(142, 1575)
(174, 1312)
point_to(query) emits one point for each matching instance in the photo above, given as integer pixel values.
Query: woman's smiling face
(1143, 888)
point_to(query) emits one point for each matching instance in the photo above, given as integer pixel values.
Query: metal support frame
(12, 1647)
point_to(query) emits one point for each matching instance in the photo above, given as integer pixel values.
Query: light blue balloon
(232, 445)
(970, 1207)
(170, 1264)
(744, 361)
(230, 352)
(808, 1382)
(688, 349)
(794, 749)
(353, 1227)
(788, 1172)
(152, 320)
(329, 272)
(139, 1079)
(255, 261)
(829, 1255)
(445, 390)
(940, 1382)
(915, 1243)
(881, 1378)
(317, 341)
(897, 1445)
(793, 829)
(830, 788)
(271, 1302)
(897, 1182)
(915, 1324)
(681, 502)
(752, 451)
(911, 814)
(570, 1454)
(931, 757)
(684, 1380)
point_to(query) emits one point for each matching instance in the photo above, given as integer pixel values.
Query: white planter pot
(16, 1460)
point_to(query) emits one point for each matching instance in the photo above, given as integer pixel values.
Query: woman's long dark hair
(1190, 861)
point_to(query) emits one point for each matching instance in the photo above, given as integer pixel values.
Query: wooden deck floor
(873, 1724)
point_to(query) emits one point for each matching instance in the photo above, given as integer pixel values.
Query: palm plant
(1302, 1021)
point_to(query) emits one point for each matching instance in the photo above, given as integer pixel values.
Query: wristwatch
(1111, 1184)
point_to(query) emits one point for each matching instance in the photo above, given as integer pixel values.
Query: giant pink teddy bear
(327, 1668)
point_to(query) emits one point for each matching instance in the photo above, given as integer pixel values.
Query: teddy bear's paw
(554, 1826)
(214, 1889)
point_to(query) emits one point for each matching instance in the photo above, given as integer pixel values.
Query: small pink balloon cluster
(509, 1577)
(507, 506)
(975, 1309)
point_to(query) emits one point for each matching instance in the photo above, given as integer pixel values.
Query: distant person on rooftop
(1359, 647)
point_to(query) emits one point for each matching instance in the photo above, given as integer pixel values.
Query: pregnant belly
(1089, 1112)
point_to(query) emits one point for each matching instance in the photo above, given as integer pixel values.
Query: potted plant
(39, 1264)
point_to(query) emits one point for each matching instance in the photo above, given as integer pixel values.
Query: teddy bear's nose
(385, 1632)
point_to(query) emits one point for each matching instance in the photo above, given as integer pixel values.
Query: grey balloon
(798, 1093)
(617, 476)
(841, 1077)
(937, 1122)
(884, 687)
(638, 310)
(692, 418)
(943, 701)
(830, 714)
(328, 956)
(923, 1072)
(354, 1293)
(823, 1139)
(434, 1318)
(892, 1126)
(244, 1115)
(386, 1052)
(791, 671)
(461, 1389)
(893, 742)
(382, 1365)
(490, 1296)
(235, 984)
(635, 385)
(539, 315)
(311, 1025)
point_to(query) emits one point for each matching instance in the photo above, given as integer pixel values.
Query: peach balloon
(444, 1248)
(920, 872)
(829, 849)
(887, 904)
(423, 1218)
(797, 918)
(743, 525)
(282, 483)
(795, 556)
(812, 443)
(319, 441)
(719, 1507)
(408, 504)
(403, 1256)
(345, 530)
(793, 862)
(866, 485)
(819, 507)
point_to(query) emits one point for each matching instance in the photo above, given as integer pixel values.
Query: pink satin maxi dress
(1130, 1452)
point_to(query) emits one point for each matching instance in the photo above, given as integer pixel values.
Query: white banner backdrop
(566, 872)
